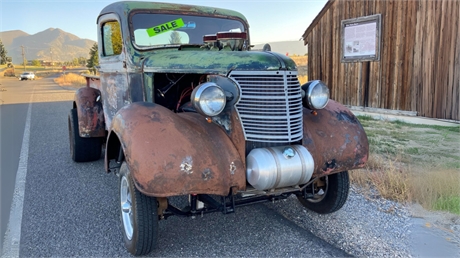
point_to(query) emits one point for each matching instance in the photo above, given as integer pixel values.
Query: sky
(269, 20)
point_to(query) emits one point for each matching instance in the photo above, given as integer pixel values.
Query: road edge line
(12, 238)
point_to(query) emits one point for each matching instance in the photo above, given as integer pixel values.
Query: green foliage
(3, 52)
(80, 61)
(113, 42)
(36, 62)
(449, 203)
(117, 42)
(362, 118)
(412, 151)
(93, 60)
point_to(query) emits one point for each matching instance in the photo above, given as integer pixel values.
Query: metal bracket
(116, 168)
(226, 209)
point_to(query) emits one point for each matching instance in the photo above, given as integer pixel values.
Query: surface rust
(172, 154)
(91, 121)
(237, 135)
(335, 138)
(215, 62)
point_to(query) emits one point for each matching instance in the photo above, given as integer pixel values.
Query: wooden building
(416, 66)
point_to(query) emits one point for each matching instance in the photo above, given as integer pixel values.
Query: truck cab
(183, 107)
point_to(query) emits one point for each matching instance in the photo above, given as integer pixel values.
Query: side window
(111, 34)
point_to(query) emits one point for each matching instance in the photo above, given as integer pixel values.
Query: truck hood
(215, 62)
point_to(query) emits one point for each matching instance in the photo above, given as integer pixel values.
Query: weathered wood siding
(419, 67)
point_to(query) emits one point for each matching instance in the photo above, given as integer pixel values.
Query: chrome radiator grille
(270, 107)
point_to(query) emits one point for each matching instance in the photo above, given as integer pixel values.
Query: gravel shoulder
(370, 226)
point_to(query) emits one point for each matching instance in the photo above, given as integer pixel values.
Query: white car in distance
(27, 76)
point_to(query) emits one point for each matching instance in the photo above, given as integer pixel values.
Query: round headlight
(317, 94)
(209, 99)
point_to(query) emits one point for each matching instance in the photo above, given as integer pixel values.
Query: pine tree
(3, 53)
(93, 60)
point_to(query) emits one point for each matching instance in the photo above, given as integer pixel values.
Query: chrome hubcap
(126, 207)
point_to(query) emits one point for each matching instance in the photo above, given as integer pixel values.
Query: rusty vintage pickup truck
(184, 107)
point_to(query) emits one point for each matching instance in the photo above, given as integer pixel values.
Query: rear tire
(82, 149)
(139, 216)
(329, 193)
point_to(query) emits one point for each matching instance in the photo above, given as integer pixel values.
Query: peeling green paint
(212, 62)
(192, 59)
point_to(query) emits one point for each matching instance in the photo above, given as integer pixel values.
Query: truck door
(113, 71)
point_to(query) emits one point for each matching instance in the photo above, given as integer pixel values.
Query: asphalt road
(71, 209)
(14, 99)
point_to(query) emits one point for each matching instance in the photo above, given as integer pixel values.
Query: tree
(81, 61)
(3, 53)
(36, 62)
(117, 42)
(75, 61)
(93, 60)
(175, 38)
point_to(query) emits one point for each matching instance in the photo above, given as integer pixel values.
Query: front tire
(328, 194)
(82, 149)
(139, 216)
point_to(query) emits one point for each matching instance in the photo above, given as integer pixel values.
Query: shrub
(71, 79)
(9, 73)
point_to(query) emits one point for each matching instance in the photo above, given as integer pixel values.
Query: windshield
(152, 29)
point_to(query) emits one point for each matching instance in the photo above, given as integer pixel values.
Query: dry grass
(434, 189)
(302, 79)
(300, 60)
(438, 189)
(404, 167)
(9, 73)
(71, 79)
(388, 178)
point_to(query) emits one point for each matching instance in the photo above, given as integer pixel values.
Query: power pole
(51, 56)
(23, 58)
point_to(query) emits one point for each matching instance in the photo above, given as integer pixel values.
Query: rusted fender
(335, 138)
(90, 113)
(172, 154)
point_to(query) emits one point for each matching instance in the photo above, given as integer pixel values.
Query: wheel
(328, 194)
(82, 149)
(139, 216)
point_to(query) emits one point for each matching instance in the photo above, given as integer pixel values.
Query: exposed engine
(173, 90)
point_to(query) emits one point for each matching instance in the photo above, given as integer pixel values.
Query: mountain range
(49, 45)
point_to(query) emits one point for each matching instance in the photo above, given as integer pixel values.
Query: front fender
(175, 154)
(335, 138)
(91, 121)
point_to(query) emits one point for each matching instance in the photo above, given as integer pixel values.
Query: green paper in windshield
(165, 27)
